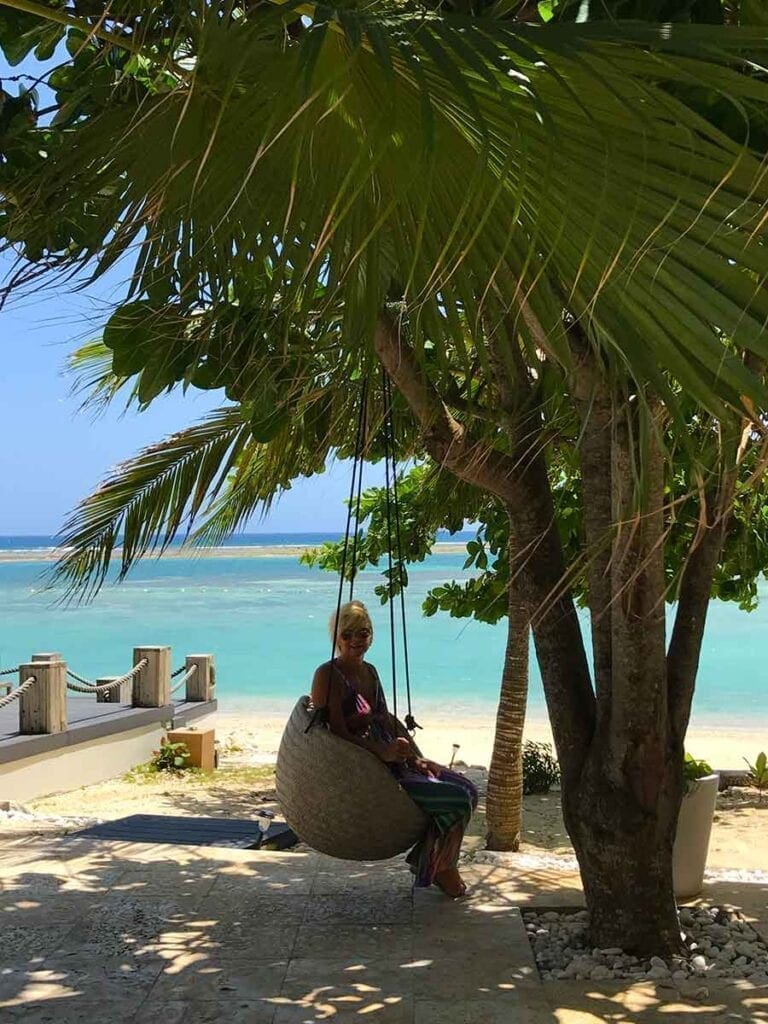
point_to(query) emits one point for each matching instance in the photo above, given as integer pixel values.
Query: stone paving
(128, 932)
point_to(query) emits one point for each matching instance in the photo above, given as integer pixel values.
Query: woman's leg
(448, 801)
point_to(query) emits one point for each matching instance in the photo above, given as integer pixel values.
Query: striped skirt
(448, 800)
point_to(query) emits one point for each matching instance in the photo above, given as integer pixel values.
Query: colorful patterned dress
(448, 799)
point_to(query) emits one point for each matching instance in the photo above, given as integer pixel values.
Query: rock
(657, 973)
(601, 973)
(747, 949)
(758, 978)
(693, 990)
(611, 951)
(550, 915)
(657, 962)
(679, 977)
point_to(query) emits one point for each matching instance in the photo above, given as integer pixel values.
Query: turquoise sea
(265, 620)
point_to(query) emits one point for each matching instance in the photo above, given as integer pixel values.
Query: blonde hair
(352, 615)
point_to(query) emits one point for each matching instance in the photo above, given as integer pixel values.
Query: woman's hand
(398, 751)
(425, 767)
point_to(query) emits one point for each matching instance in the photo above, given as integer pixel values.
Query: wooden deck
(89, 720)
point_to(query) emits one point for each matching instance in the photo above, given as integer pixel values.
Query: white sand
(723, 749)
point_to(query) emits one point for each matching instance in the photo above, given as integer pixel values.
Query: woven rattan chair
(339, 798)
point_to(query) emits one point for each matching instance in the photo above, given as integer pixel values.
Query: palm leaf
(94, 378)
(147, 500)
(328, 119)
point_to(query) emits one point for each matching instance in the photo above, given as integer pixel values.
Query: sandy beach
(723, 749)
(245, 781)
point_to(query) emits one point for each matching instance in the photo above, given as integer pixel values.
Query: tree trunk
(622, 814)
(504, 801)
(621, 757)
(625, 857)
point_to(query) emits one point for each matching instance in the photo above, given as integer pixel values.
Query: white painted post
(152, 685)
(203, 682)
(122, 694)
(43, 707)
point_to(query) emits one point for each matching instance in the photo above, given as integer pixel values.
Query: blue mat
(161, 828)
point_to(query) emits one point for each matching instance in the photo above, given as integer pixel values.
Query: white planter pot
(692, 839)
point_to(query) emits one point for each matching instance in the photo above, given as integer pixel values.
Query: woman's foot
(451, 883)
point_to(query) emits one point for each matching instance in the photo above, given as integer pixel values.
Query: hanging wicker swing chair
(337, 797)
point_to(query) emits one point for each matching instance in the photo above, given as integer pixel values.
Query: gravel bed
(720, 944)
(551, 861)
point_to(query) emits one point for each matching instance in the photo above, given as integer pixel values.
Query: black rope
(387, 448)
(321, 714)
(361, 443)
(410, 722)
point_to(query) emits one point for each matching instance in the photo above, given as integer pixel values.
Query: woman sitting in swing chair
(349, 688)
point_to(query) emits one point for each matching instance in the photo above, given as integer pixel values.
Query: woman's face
(354, 640)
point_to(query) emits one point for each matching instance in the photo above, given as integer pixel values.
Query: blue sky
(51, 455)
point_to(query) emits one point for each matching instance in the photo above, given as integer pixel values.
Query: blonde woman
(349, 689)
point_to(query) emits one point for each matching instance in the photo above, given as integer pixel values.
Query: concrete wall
(81, 764)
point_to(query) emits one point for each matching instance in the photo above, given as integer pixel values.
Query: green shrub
(171, 757)
(540, 768)
(693, 770)
(758, 773)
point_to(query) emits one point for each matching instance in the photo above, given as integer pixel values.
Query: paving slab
(203, 935)
(647, 1003)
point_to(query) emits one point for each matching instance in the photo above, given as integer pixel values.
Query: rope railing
(88, 687)
(185, 679)
(80, 679)
(9, 671)
(15, 694)
(179, 670)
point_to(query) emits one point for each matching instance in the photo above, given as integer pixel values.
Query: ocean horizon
(265, 620)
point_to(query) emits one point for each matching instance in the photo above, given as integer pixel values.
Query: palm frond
(95, 379)
(147, 500)
(387, 146)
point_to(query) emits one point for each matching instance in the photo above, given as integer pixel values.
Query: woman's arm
(326, 692)
(392, 724)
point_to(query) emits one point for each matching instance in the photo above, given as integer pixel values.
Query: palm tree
(556, 210)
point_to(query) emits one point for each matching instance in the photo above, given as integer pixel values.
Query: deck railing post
(152, 685)
(201, 684)
(122, 694)
(43, 707)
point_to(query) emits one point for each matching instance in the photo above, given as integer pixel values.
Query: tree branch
(692, 607)
(523, 485)
(447, 440)
(696, 582)
(593, 402)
